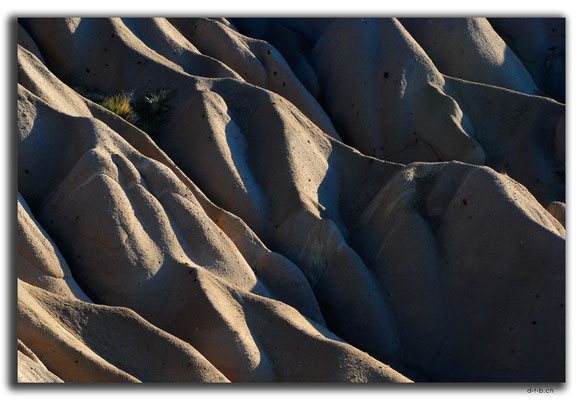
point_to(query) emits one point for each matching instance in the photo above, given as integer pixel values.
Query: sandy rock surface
(293, 200)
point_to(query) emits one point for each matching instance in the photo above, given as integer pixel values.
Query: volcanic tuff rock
(337, 200)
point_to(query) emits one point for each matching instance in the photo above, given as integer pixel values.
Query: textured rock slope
(336, 200)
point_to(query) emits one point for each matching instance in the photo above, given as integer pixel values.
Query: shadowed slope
(380, 84)
(142, 238)
(314, 254)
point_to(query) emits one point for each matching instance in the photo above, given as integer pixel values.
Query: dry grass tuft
(121, 104)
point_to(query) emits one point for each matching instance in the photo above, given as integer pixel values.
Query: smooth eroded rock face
(291, 200)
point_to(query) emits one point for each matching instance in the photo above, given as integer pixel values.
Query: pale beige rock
(489, 281)
(256, 61)
(171, 220)
(506, 123)
(469, 48)
(380, 84)
(243, 241)
(83, 342)
(31, 369)
(558, 210)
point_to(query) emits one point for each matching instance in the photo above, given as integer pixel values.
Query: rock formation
(297, 200)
